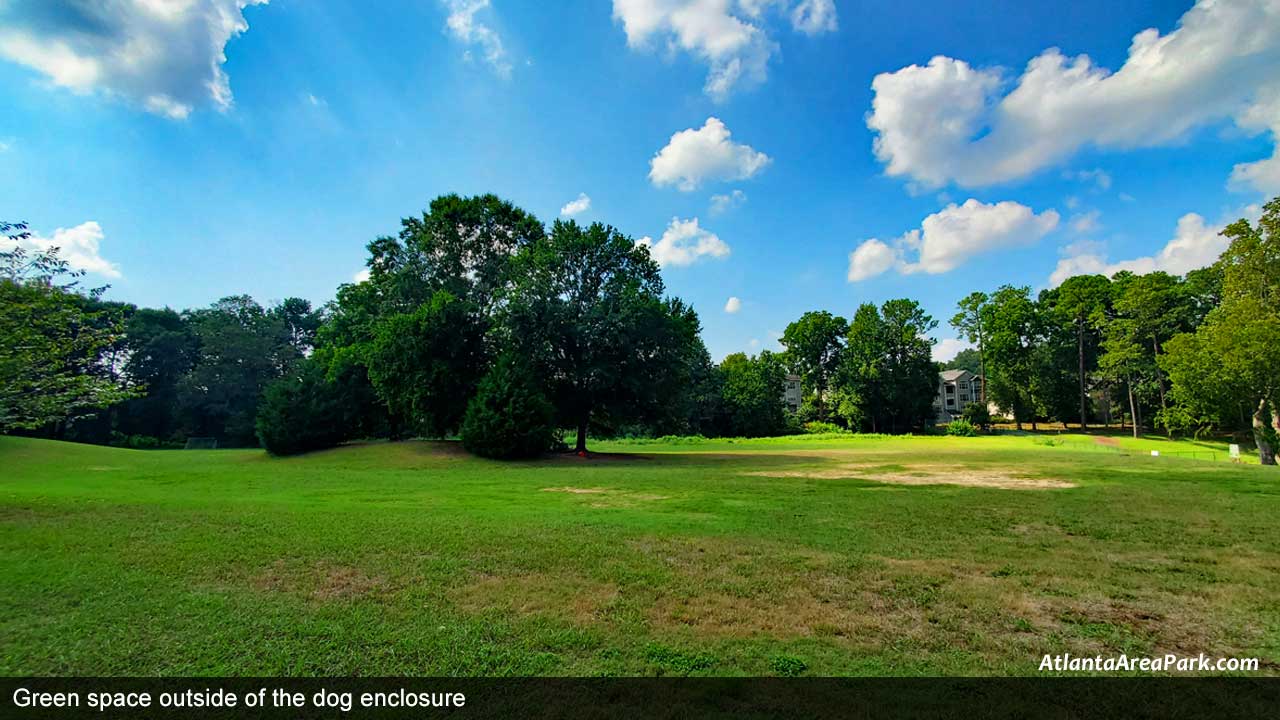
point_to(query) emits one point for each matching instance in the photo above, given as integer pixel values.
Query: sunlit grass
(698, 557)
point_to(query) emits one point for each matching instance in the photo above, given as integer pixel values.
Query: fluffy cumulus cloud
(732, 305)
(165, 56)
(80, 246)
(1195, 244)
(464, 25)
(870, 259)
(948, 238)
(731, 36)
(361, 276)
(948, 121)
(685, 243)
(693, 157)
(580, 204)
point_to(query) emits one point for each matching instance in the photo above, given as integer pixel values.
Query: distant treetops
(478, 321)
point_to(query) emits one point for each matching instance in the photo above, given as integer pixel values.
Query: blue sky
(180, 178)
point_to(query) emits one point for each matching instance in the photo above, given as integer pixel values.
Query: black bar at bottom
(528, 698)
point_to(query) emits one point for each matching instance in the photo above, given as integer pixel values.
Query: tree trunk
(1080, 352)
(982, 366)
(1155, 353)
(1133, 407)
(581, 446)
(1264, 433)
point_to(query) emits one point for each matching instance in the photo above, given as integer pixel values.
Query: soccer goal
(202, 443)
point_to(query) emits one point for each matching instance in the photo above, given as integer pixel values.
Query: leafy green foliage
(753, 395)
(787, 665)
(302, 411)
(1231, 358)
(814, 345)
(52, 341)
(243, 347)
(509, 417)
(967, 359)
(586, 309)
(977, 414)
(961, 427)
(425, 364)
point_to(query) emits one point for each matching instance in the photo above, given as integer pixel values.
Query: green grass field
(810, 555)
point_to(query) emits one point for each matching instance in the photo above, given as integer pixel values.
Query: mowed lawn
(812, 555)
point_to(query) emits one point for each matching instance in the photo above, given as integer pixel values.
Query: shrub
(509, 417)
(978, 415)
(787, 665)
(301, 412)
(961, 428)
(821, 428)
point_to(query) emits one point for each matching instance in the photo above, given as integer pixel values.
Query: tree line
(478, 321)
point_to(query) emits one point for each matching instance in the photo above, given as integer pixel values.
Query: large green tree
(753, 388)
(1011, 323)
(860, 382)
(243, 347)
(160, 349)
(425, 364)
(968, 321)
(586, 307)
(1080, 303)
(910, 377)
(813, 347)
(52, 339)
(1232, 356)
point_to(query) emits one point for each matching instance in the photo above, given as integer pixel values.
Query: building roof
(953, 374)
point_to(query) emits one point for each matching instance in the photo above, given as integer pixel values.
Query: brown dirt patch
(923, 475)
(1108, 441)
(321, 581)
(549, 594)
(608, 498)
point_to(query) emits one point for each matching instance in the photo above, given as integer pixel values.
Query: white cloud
(580, 204)
(733, 305)
(79, 246)
(166, 57)
(727, 201)
(692, 157)
(948, 238)
(464, 27)
(1097, 176)
(1263, 116)
(947, 348)
(814, 16)
(361, 276)
(730, 37)
(684, 243)
(1195, 244)
(1085, 223)
(951, 122)
(871, 258)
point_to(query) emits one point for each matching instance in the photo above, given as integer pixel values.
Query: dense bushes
(302, 412)
(977, 415)
(509, 417)
(961, 428)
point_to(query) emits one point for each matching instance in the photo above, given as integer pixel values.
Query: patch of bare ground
(608, 498)
(1104, 440)
(923, 475)
(320, 581)
(562, 595)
